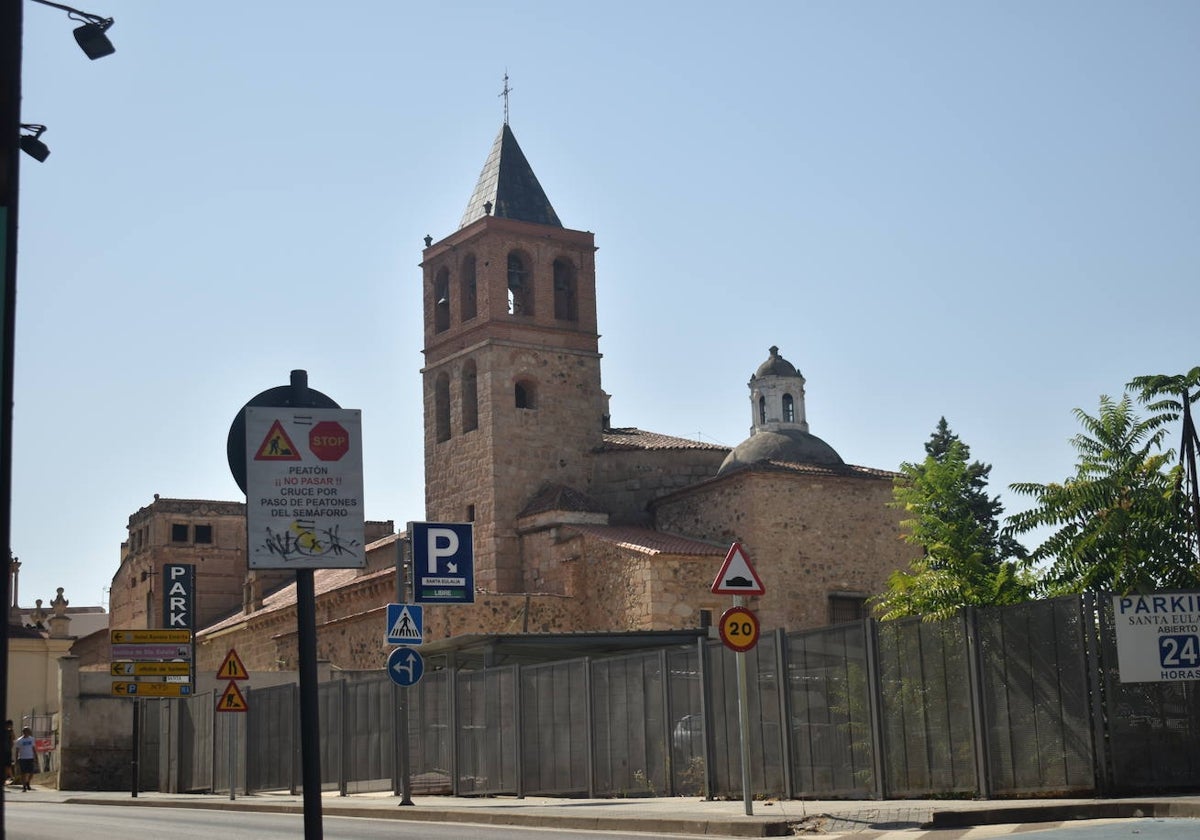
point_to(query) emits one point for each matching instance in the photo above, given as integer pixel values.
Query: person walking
(26, 757)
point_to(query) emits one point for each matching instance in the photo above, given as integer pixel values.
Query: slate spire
(507, 184)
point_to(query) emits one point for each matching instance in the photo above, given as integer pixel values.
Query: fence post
(1092, 619)
(983, 777)
(705, 666)
(452, 690)
(344, 739)
(247, 753)
(875, 707)
(295, 742)
(665, 681)
(519, 714)
(785, 709)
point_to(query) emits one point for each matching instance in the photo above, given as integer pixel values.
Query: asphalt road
(62, 821)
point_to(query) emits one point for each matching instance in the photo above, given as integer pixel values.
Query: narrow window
(179, 532)
(470, 398)
(566, 305)
(204, 533)
(762, 411)
(789, 409)
(441, 301)
(525, 395)
(466, 295)
(520, 285)
(470, 513)
(441, 407)
(844, 608)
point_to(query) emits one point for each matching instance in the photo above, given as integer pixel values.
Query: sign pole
(133, 763)
(402, 703)
(232, 750)
(744, 719)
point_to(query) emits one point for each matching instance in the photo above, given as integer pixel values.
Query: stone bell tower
(512, 394)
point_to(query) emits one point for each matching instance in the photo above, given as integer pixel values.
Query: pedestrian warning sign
(405, 624)
(277, 446)
(232, 699)
(232, 668)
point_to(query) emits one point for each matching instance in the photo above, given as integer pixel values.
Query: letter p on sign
(442, 542)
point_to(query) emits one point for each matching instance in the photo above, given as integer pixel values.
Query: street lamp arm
(76, 14)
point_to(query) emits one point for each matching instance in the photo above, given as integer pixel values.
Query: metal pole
(232, 750)
(744, 720)
(402, 698)
(310, 723)
(133, 761)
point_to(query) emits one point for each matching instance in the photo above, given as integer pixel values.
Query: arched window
(466, 289)
(441, 301)
(789, 409)
(520, 285)
(525, 394)
(441, 407)
(470, 398)
(566, 304)
(762, 411)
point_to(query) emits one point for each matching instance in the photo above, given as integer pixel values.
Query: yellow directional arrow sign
(143, 689)
(150, 669)
(150, 637)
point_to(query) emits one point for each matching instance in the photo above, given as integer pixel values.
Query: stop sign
(328, 440)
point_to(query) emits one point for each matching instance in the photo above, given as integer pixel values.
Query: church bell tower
(512, 396)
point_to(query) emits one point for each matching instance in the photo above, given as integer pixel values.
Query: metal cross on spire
(504, 93)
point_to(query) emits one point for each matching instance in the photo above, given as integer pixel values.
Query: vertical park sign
(304, 488)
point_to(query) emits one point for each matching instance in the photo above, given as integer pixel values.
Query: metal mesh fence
(1002, 701)
(1036, 698)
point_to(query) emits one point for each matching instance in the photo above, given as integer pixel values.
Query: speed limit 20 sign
(739, 629)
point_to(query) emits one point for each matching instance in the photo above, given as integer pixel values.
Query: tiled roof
(507, 183)
(561, 497)
(842, 470)
(649, 541)
(631, 438)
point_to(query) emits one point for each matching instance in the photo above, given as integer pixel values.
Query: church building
(580, 526)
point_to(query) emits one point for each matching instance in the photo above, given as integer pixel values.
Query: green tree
(1170, 398)
(965, 558)
(1118, 522)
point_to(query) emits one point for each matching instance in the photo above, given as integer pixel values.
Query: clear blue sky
(988, 211)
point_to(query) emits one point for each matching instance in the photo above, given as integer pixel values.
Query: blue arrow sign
(405, 666)
(443, 562)
(405, 625)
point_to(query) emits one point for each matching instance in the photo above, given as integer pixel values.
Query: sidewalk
(661, 815)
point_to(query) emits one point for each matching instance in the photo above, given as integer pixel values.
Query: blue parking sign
(443, 562)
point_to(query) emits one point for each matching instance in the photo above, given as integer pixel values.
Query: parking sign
(443, 562)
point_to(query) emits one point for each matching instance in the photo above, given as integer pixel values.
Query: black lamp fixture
(91, 36)
(31, 144)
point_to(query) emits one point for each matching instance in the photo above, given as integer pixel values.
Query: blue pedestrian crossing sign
(405, 625)
(443, 562)
(405, 666)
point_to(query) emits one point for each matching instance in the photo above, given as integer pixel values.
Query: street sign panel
(232, 699)
(405, 666)
(151, 689)
(140, 637)
(142, 653)
(232, 667)
(304, 488)
(179, 595)
(405, 624)
(150, 669)
(443, 562)
(737, 576)
(1158, 636)
(739, 629)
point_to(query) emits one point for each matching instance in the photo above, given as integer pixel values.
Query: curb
(477, 816)
(1062, 813)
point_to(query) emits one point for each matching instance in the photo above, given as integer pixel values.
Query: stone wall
(625, 482)
(807, 536)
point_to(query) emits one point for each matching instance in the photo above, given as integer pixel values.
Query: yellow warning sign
(232, 700)
(232, 668)
(277, 446)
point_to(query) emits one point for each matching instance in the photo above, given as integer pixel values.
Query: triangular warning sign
(737, 576)
(232, 699)
(277, 446)
(232, 668)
